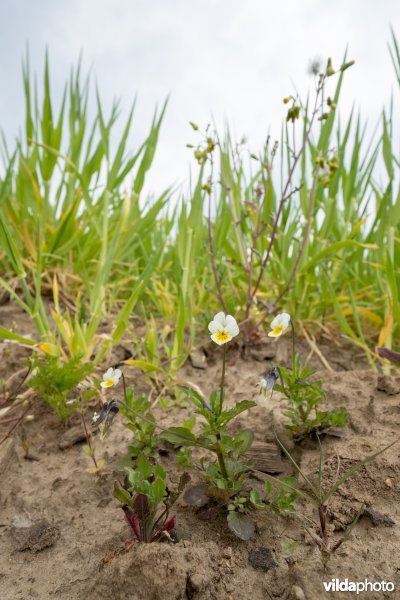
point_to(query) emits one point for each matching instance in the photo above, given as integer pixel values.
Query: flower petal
(231, 325)
(117, 374)
(281, 319)
(220, 318)
(108, 374)
(213, 327)
(285, 320)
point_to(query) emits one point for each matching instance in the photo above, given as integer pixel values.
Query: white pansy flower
(279, 325)
(223, 328)
(111, 377)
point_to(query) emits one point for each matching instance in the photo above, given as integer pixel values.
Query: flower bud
(347, 65)
(329, 69)
(293, 113)
(332, 105)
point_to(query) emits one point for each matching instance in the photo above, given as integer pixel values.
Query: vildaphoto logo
(344, 585)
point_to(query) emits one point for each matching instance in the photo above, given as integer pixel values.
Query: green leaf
(144, 467)
(180, 436)
(157, 491)
(122, 495)
(243, 441)
(228, 415)
(5, 334)
(215, 401)
(196, 398)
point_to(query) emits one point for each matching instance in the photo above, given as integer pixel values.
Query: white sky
(227, 60)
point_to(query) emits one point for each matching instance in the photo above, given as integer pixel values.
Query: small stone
(34, 536)
(196, 582)
(262, 559)
(389, 385)
(227, 553)
(198, 359)
(71, 437)
(297, 593)
(378, 518)
(266, 457)
(389, 483)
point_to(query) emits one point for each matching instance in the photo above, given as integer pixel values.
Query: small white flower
(95, 417)
(223, 328)
(111, 377)
(279, 325)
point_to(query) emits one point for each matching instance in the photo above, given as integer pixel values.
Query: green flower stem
(124, 384)
(221, 460)
(293, 346)
(282, 383)
(220, 456)
(221, 396)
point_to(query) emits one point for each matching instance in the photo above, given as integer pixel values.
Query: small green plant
(146, 501)
(56, 383)
(145, 439)
(226, 473)
(319, 496)
(304, 396)
(137, 412)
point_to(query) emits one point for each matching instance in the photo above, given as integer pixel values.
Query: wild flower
(111, 377)
(223, 328)
(267, 382)
(279, 325)
(105, 418)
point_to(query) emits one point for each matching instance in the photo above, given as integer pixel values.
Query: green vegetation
(305, 223)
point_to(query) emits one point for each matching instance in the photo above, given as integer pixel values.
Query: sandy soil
(77, 543)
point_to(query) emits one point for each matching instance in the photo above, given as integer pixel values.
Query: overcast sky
(227, 60)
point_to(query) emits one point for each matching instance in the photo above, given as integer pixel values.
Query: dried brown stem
(286, 194)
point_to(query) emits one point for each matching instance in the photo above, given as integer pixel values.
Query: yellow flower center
(278, 330)
(223, 336)
(108, 383)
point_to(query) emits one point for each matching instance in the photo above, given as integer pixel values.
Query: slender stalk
(219, 454)
(211, 245)
(221, 461)
(8, 434)
(87, 435)
(286, 194)
(222, 392)
(282, 383)
(303, 243)
(293, 346)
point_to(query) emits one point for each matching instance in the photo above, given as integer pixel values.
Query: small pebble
(297, 593)
(262, 559)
